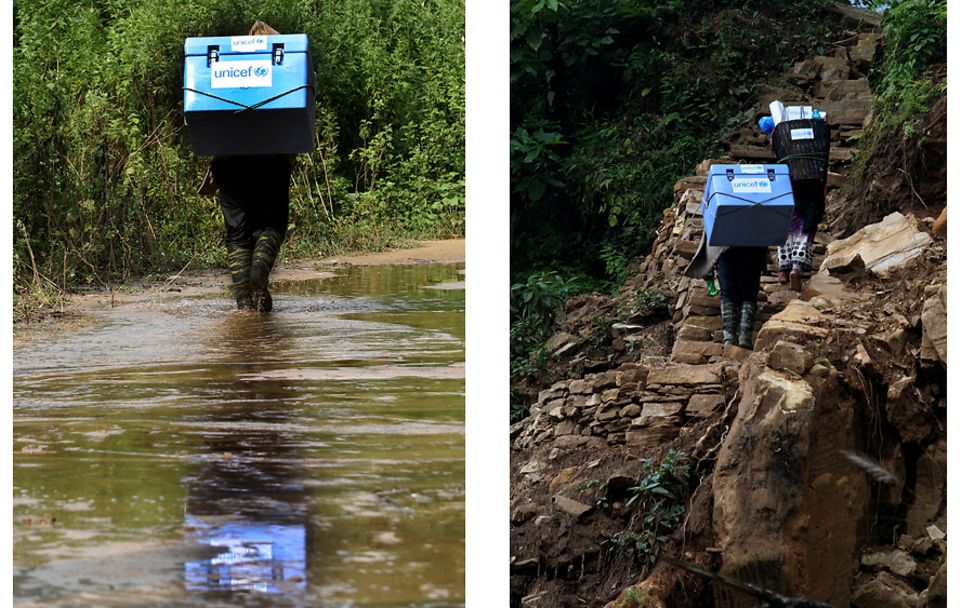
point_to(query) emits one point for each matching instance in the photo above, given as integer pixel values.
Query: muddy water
(175, 452)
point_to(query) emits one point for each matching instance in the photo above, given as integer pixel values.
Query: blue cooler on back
(249, 95)
(747, 205)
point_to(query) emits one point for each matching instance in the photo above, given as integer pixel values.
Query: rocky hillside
(813, 466)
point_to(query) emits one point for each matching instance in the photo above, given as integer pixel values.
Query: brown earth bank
(210, 281)
(813, 466)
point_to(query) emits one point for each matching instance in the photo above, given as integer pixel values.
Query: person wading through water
(254, 198)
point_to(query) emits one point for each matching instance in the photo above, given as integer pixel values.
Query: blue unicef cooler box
(249, 95)
(747, 205)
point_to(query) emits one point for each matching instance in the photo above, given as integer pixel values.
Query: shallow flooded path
(175, 452)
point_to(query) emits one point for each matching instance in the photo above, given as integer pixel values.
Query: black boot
(748, 312)
(729, 316)
(265, 254)
(239, 258)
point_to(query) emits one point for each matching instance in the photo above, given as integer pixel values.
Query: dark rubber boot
(748, 312)
(239, 260)
(265, 254)
(729, 316)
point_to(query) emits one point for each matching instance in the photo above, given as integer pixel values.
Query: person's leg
(752, 263)
(272, 217)
(730, 306)
(239, 250)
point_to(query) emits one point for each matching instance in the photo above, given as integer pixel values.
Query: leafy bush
(915, 33)
(536, 304)
(105, 184)
(659, 502)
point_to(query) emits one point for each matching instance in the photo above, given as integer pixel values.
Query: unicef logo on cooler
(751, 185)
(241, 74)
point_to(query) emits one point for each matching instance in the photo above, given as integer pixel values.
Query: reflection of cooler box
(249, 95)
(747, 205)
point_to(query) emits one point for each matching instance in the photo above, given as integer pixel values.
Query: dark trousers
(739, 272)
(253, 195)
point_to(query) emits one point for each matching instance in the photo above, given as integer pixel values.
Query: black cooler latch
(770, 175)
(278, 56)
(730, 175)
(212, 54)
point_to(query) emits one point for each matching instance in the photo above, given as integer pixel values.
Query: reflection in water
(174, 454)
(245, 499)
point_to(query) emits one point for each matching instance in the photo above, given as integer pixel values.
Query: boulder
(934, 319)
(657, 432)
(657, 409)
(693, 352)
(693, 332)
(884, 591)
(883, 246)
(780, 460)
(563, 477)
(558, 340)
(935, 595)
(848, 112)
(896, 561)
(825, 286)
(704, 405)
(865, 49)
(524, 513)
(787, 394)
(930, 487)
(799, 322)
(788, 356)
(837, 90)
(580, 387)
(907, 412)
(572, 507)
(685, 375)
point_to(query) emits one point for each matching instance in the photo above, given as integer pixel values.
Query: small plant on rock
(658, 499)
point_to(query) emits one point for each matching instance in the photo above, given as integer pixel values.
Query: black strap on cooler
(748, 201)
(243, 107)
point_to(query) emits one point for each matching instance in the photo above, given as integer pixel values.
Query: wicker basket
(804, 146)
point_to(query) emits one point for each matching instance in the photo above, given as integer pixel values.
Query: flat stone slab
(883, 246)
(572, 507)
(685, 374)
(798, 322)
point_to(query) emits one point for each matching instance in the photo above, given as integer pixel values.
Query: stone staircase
(647, 403)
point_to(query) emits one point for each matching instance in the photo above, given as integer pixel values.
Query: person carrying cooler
(254, 199)
(739, 273)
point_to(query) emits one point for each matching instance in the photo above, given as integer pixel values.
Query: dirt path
(200, 282)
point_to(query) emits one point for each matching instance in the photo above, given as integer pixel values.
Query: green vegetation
(105, 184)
(535, 305)
(659, 507)
(912, 73)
